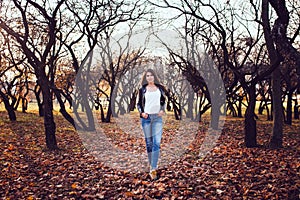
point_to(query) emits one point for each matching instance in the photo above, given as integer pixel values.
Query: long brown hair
(156, 80)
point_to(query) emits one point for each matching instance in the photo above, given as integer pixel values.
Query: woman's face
(149, 77)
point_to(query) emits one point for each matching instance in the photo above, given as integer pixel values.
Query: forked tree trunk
(9, 108)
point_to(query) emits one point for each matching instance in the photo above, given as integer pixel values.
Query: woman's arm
(140, 102)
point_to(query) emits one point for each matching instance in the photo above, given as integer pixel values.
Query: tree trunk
(279, 27)
(62, 109)
(190, 101)
(109, 113)
(250, 123)
(24, 104)
(89, 115)
(276, 141)
(177, 112)
(215, 116)
(240, 103)
(132, 101)
(231, 108)
(49, 123)
(102, 113)
(85, 121)
(289, 113)
(9, 108)
(261, 107)
(37, 92)
(16, 105)
(110, 105)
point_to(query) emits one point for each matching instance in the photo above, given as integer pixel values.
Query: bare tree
(115, 64)
(35, 31)
(91, 19)
(14, 76)
(5, 68)
(278, 45)
(42, 31)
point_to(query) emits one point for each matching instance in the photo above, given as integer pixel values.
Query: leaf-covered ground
(229, 171)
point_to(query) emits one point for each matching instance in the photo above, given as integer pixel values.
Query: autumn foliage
(229, 171)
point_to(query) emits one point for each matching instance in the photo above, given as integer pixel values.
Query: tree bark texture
(250, 122)
(276, 141)
(49, 123)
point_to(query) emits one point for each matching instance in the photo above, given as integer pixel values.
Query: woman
(151, 105)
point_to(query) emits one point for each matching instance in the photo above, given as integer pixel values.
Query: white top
(152, 102)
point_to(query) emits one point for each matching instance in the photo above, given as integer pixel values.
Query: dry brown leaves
(229, 171)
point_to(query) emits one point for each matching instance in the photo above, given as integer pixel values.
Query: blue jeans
(152, 127)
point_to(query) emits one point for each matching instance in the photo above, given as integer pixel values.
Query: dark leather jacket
(141, 100)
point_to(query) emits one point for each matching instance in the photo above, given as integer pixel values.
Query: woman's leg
(146, 125)
(157, 127)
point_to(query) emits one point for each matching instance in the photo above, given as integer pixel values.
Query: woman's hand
(161, 113)
(144, 115)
